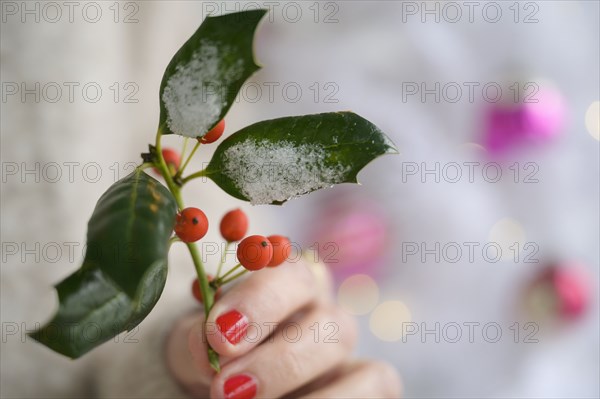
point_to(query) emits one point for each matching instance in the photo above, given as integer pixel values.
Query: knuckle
(318, 275)
(342, 327)
(304, 274)
(275, 292)
(270, 294)
(293, 364)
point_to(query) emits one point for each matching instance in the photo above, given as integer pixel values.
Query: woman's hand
(278, 333)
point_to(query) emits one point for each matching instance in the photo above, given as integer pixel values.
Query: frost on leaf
(266, 172)
(193, 95)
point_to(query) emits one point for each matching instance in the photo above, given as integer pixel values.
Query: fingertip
(216, 340)
(226, 330)
(237, 385)
(320, 275)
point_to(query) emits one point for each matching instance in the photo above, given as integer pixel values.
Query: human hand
(278, 333)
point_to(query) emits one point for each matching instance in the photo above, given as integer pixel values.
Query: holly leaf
(124, 270)
(272, 161)
(206, 74)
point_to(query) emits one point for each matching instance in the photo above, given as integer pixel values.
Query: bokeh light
(506, 233)
(358, 294)
(592, 120)
(388, 319)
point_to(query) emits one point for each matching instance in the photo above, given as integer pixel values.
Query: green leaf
(272, 161)
(124, 270)
(203, 78)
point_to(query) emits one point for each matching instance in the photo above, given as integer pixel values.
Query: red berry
(172, 159)
(255, 252)
(197, 293)
(191, 225)
(234, 225)
(281, 249)
(214, 134)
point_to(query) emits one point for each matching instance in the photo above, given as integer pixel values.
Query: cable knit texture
(134, 367)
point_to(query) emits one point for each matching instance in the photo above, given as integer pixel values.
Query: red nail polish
(240, 386)
(233, 326)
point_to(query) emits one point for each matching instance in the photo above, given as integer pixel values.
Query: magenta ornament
(536, 120)
(351, 237)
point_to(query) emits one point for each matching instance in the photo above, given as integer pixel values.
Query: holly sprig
(130, 231)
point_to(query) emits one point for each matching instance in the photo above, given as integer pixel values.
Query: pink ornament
(572, 291)
(536, 120)
(544, 119)
(560, 291)
(351, 238)
(503, 128)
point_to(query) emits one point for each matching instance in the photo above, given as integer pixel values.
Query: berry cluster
(254, 252)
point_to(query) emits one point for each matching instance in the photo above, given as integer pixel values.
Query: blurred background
(470, 259)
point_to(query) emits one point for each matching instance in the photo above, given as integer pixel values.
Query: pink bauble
(565, 291)
(503, 128)
(536, 120)
(544, 119)
(572, 291)
(351, 238)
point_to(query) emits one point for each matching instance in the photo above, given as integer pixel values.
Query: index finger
(251, 310)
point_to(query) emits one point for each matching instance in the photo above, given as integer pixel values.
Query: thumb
(186, 355)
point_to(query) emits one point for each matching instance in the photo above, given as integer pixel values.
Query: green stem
(187, 161)
(208, 293)
(222, 260)
(218, 281)
(202, 279)
(172, 240)
(193, 176)
(146, 165)
(166, 174)
(230, 279)
(184, 147)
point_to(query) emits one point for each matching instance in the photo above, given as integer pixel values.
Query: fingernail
(240, 386)
(233, 326)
